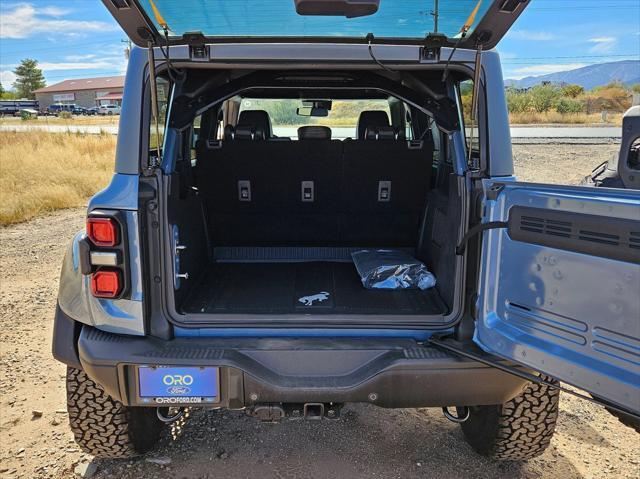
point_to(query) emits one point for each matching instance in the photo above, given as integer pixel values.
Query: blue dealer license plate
(173, 382)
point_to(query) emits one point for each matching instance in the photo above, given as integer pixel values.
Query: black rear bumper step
(386, 372)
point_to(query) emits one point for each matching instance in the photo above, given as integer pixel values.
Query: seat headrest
(369, 119)
(314, 133)
(248, 133)
(381, 133)
(258, 119)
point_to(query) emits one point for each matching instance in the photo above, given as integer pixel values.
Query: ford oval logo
(179, 390)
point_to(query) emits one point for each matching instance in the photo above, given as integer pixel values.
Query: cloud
(104, 64)
(54, 11)
(535, 36)
(25, 20)
(111, 64)
(602, 44)
(536, 70)
(7, 77)
(79, 58)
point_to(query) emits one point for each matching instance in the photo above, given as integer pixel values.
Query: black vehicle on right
(622, 171)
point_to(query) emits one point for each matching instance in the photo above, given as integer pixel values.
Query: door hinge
(433, 42)
(153, 164)
(198, 49)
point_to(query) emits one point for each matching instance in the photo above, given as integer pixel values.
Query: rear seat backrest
(242, 185)
(313, 195)
(385, 185)
(345, 181)
(275, 176)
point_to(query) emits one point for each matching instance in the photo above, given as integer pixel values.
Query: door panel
(560, 286)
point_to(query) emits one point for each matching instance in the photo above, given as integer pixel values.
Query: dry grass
(41, 172)
(111, 120)
(553, 117)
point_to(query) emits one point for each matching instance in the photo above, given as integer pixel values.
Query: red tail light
(105, 283)
(102, 231)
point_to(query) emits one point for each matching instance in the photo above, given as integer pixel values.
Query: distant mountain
(626, 71)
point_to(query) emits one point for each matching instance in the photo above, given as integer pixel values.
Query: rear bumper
(385, 372)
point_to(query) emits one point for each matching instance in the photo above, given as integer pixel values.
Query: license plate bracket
(178, 384)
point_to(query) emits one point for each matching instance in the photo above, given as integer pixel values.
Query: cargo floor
(277, 288)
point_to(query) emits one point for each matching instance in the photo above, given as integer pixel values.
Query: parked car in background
(109, 110)
(78, 110)
(56, 108)
(92, 111)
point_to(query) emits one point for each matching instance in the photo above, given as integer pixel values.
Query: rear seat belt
(479, 228)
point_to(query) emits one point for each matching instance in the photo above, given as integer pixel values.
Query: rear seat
(241, 183)
(314, 191)
(386, 182)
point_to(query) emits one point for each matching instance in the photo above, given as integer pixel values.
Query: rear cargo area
(265, 225)
(301, 287)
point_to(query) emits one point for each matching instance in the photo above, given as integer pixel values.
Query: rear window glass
(266, 18)
(342, 118)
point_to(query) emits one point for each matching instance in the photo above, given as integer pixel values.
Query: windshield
(278, 18)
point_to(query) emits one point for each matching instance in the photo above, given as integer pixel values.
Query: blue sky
(78, 38)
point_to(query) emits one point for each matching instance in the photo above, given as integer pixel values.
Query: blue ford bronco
(264, 146)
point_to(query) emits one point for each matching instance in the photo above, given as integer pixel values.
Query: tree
(28, 78)
(1, 90)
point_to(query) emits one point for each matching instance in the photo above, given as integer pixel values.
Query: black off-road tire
(519, 429)
(104, 427)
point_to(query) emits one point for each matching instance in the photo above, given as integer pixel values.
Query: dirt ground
(366, 442)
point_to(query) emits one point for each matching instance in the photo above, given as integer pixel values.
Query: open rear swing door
(559, 285)
(192, 22)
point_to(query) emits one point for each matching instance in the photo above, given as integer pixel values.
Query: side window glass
(156, 136)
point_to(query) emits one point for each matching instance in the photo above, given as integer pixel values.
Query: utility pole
(127, 51)
(435, 15)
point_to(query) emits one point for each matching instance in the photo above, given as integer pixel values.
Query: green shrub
(65, 115)
(543, 97)
(517, 102)
(572, 91)
(569, 105)
(26, 116)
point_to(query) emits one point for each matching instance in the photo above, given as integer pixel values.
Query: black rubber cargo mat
(313, 287)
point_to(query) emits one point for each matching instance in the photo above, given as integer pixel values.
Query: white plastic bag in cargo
(391, 269)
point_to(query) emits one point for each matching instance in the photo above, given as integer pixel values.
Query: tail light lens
(106, 283)
(103, 231)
